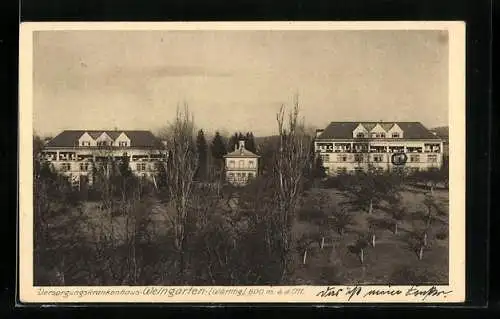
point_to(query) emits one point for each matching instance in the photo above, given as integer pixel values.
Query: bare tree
(396, 210)
(290, 162)
(359, 248)
(181, 167)
(432, 209)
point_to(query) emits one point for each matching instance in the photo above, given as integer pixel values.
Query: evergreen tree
(318, 168)
(309, 171)
(124, 167)
(161, 175)
(233, 141)
(218, 148)
(250, 142)
(202, 150)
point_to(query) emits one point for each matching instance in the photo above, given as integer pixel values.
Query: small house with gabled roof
(241, 165)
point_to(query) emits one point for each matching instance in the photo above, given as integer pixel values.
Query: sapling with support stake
(360, 246)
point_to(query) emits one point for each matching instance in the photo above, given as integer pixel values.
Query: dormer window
(360, 135)
(102, 143)
(85, 143)
(395, 135)
(122, 143)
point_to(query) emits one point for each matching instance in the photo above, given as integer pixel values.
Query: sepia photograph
(236, 162)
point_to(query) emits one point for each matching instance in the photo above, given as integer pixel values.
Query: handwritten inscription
(329, 292)
(414, 291)
(424, 293)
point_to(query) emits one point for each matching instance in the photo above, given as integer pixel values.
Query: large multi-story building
(241, 165)
(352, 146)
(75, 152)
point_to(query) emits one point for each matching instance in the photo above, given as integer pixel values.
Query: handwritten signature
(413, 291)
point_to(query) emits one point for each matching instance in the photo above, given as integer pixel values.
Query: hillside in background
(261, 140)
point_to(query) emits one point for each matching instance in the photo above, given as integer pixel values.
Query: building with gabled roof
(241, 165)
(354, 146)
(74, 153)
(138, 139)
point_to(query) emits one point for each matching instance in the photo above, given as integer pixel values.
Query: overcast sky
(237, 80)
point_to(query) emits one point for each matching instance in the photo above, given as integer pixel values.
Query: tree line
(207, 233)
(125, 230)
(211, 155)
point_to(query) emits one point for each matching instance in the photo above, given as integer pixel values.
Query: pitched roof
(343, 130)
(69, 138)
(143, 139)
(241, 153)
(387, 126)
(369, 126)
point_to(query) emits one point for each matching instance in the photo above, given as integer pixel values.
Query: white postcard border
(454, 292)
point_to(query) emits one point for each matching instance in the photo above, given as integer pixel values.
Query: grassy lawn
(391, 261)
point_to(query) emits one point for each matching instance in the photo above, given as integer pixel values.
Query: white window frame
(325, 158)
(432, 158)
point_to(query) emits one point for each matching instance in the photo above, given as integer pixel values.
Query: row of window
(431, 158)
(377, 135)
(347, 147)
(105, 143)
(240, 176)
(378, 149)
(241, 164)
(74, 157)
(85, 166)
(344, 170)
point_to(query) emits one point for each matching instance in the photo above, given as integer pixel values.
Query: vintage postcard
(242, 162)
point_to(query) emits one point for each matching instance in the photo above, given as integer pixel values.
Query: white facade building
(241, 165)
(351, 146)
(74, 153)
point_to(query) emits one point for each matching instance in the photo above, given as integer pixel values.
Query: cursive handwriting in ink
(353, 291)
(329, 292)
(424, 293)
